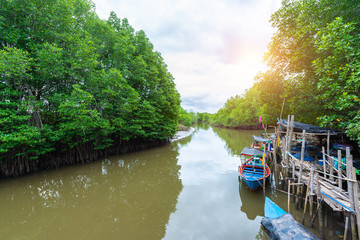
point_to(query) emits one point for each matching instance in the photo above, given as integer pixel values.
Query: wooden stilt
(356, 202)
(289, 196)
(321, 221)
(293, 186)
(349, 168)
(346, 227)
(339, 168)
(324, 161)
(276, 149)
(301, 168)
(311, 193)
(306, 197)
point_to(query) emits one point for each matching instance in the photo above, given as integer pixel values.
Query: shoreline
(182, 134)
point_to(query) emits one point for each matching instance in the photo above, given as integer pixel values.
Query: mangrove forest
(74, 88)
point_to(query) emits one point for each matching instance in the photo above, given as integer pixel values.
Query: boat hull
(253, 174)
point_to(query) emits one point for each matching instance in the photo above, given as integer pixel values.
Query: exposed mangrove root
(83, 153)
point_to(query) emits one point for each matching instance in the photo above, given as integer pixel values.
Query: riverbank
(182, 134)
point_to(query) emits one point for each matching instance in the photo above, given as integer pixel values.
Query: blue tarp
(306, 157)
(286, 227)
(298, 127)
(281, 225)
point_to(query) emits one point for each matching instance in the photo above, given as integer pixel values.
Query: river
(188, 189)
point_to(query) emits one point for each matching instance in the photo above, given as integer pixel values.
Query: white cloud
(213, 48)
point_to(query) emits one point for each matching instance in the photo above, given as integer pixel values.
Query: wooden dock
(337, 187)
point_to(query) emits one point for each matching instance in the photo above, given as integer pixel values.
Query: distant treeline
(74, 87)
(314, 69)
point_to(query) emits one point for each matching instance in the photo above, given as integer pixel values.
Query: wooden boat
(254, 173)
(281, 225)
(272, 210)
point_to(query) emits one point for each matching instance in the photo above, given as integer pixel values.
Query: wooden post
(301, 168)
(287, 141)
(324, 161)
(346, 227)
(293, 186)
(306, 197)
(321, 221)
(264, 162)
(276, 149)
(328, 143)
(331, 160)
(290, 133)
(349, 166)
(302, 154)
(356, 201)
(339, 168)
(285, 170)
(289, 196)
(311, 191)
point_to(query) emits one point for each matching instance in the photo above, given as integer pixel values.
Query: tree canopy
(313, 64)
(69, 78)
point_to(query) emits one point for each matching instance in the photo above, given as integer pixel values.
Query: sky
(214, 49)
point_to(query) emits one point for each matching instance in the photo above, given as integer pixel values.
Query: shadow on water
(123, 197)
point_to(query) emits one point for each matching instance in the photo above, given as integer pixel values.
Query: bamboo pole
(302, 154)
(306, 197)
(287, 140)
(321, 221)
(328, 143)
(311, 192)
(324, 161)
(293, 186)
(289, 196)
(301, 168)
(339, 168)
(356, 201)
(264, 162)
(346, 227)
(276, 149)
(331, 159)
(349, 166)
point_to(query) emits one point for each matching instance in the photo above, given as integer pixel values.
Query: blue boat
(281, 225)
(254, 173)
(272, 210)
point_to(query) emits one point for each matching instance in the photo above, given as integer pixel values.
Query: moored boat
(254, 172)
(281, 225)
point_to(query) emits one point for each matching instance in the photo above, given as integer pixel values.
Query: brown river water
(188, 189)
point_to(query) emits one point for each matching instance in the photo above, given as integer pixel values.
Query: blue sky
(213, 48)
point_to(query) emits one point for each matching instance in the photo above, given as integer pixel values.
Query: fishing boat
(281, 225)
(254, 172)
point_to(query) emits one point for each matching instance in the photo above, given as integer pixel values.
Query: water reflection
(188, 189)
(235, 139)
(124, 197)
(252, 203)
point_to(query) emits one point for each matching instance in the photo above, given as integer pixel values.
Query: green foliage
(239, 111)
(68, 78)
(314, 64)
(314, 68)
(338, 68)
(185, 118)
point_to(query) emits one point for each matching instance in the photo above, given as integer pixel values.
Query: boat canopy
(260, 139)
(251, 152)
(299, 127)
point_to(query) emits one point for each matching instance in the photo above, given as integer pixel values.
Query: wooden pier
(333, 183)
